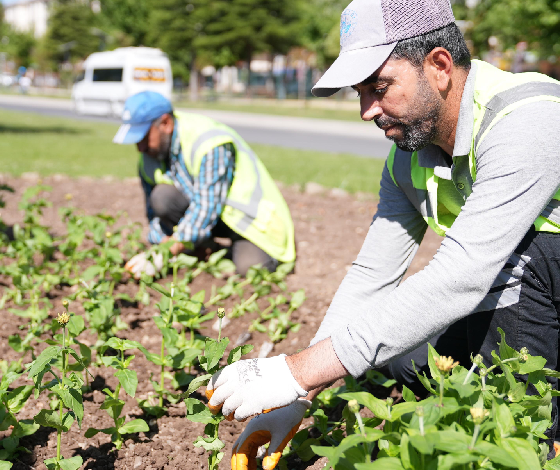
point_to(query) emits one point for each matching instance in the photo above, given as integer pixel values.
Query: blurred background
(239, 49)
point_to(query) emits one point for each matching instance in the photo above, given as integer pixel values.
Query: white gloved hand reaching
(253, 386)
(277, 427)
(144, 263)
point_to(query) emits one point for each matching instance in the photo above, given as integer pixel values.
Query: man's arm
(155, 234)
(517, 175)
(209, 195)
(391, 243)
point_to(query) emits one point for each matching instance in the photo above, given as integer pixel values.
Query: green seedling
(65, 388)
(128, 381)
(175, 351)
(197, 411)
(11, 403)
(485, 420)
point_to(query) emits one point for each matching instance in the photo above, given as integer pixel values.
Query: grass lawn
(276, 108)
(46, 145)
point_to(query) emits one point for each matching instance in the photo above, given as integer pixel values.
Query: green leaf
(198, 412)
(209, 443)
(385, 463)
(408, 395)
(504, 419)
(217, 256)
(236, 353)
(73, 463)
(72, 399)
(92, 431)
(432, 356)
(5, 465)
(506, 352)
(553, 464)
(494, 453)
(157, 288)
(375, 405)
(449, 461)
(213, 352)
(136, 425)
(51, 419)
(352, 441)
(533, 364)
(522, 452)
(76, 325)
(44, 358)
(129, 380)
(305, 451)
(297, 299)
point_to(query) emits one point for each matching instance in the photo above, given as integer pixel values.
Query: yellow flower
(478, 415)
(63, 318)
(445, 364)
(108, 234)
(221, 312)
(68, 196)
(65, 303)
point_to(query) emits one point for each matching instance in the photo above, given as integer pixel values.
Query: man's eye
(381, 90)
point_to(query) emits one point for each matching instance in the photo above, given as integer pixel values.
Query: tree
(127, 21)
(512, 21)
(321, 28)
(70, 36)
(237, 29)
(174, 25)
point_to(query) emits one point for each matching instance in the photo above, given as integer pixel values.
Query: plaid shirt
(207, 192)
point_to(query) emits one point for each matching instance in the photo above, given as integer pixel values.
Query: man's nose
(370, 107)
(142, 145)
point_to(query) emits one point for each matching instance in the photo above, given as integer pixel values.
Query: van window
(107, 75)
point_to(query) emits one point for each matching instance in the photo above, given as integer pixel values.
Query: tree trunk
(249, 60)
(193, 82)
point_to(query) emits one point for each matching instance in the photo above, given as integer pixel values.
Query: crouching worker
(201, 181)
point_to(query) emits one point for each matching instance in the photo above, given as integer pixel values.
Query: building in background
(28, 16)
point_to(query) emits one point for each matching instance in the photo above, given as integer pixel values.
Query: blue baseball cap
(140, 111)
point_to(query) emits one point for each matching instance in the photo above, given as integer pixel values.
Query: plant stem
(475, 435)
(421, 422)
(471, 370)
(441, 389)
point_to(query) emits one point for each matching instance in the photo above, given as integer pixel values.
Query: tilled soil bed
(330, 229)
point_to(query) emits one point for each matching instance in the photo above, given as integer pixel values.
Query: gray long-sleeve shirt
(374, 318)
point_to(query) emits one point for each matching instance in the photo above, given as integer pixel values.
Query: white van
(111, 77)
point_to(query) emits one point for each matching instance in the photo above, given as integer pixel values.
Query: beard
(420, 129)
(161, 153)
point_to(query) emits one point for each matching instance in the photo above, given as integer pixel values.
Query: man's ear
(438, 65)
(167, 123)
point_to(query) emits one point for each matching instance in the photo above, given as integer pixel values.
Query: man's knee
(168, 203)
(246, 254)
(402, 371)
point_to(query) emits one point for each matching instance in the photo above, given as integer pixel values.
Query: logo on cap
(347, 25)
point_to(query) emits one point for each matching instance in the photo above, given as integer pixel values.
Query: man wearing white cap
(477, 159)
(202, 180)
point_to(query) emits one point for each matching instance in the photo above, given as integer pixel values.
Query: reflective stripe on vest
(250, 210)
(254, 207)
(420, 184)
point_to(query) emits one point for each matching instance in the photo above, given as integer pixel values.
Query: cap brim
(351, 68)
(131, 133)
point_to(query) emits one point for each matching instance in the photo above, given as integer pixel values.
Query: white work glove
(277, 427)
(140, 264)
(252, 386)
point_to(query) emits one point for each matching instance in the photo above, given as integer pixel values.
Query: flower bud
(353, 406)
(478, 360)
(68, 196)
(65, 303)
(389, 401)
(419, 411)
(445, 364)
(108, 234)
(221, 312)
(478, 415)
(63, 318)
(524, 354)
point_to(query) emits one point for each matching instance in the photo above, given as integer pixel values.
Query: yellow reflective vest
(496, 94)
(254, 208)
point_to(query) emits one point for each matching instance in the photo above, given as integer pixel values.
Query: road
(324, 135)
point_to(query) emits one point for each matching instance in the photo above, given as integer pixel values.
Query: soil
(330, 229)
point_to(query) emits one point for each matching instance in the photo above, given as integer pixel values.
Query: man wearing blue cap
(201, 180)
(476, 159)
